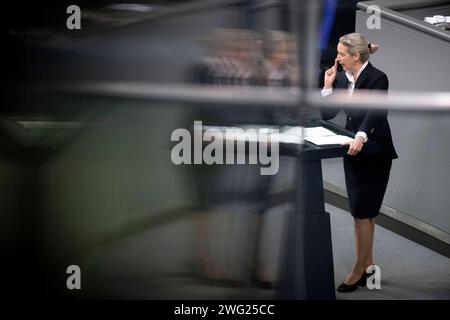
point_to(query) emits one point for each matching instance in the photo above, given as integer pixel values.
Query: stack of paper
(336, 139)
(316, 135)
(437, 19)
(323, 136)
(317, 132)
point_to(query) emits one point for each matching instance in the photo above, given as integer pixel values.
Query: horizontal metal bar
(203, 94)
(395, 100)
(221, 96)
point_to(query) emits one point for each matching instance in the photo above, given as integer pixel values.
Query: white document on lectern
(336, 139)
(323, 136)
(308, 132)
(316, 135)
(317, 132)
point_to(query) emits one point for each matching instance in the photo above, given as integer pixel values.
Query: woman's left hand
(355, 146)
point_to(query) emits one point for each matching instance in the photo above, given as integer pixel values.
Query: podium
(307, 271)
(307, 258)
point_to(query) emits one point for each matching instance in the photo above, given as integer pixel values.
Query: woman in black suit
(368, 162)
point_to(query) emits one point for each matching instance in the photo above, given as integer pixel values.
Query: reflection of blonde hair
(355, 42)
(274, 38)
(232, 38)
(280, 41)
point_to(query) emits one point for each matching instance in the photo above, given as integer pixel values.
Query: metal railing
(215, 96)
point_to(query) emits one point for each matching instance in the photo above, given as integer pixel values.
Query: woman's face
(347, 61)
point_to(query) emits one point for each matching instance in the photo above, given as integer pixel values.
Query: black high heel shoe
(343, 287)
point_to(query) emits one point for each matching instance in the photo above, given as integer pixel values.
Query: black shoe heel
(343, 287)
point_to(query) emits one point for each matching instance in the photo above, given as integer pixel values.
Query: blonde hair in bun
(356, 42)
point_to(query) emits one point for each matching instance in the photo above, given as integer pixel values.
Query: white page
(309, 132)
(317, 132)
(336, 139)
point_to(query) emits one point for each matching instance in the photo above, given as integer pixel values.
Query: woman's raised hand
(330, 75)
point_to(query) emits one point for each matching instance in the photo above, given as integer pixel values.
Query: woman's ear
(357, 56)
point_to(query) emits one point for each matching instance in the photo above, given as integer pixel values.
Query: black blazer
(373, 122)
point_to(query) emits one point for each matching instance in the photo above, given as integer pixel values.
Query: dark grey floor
(156, 264)
(408, 270)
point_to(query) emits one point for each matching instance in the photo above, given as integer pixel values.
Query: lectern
(307, 261)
